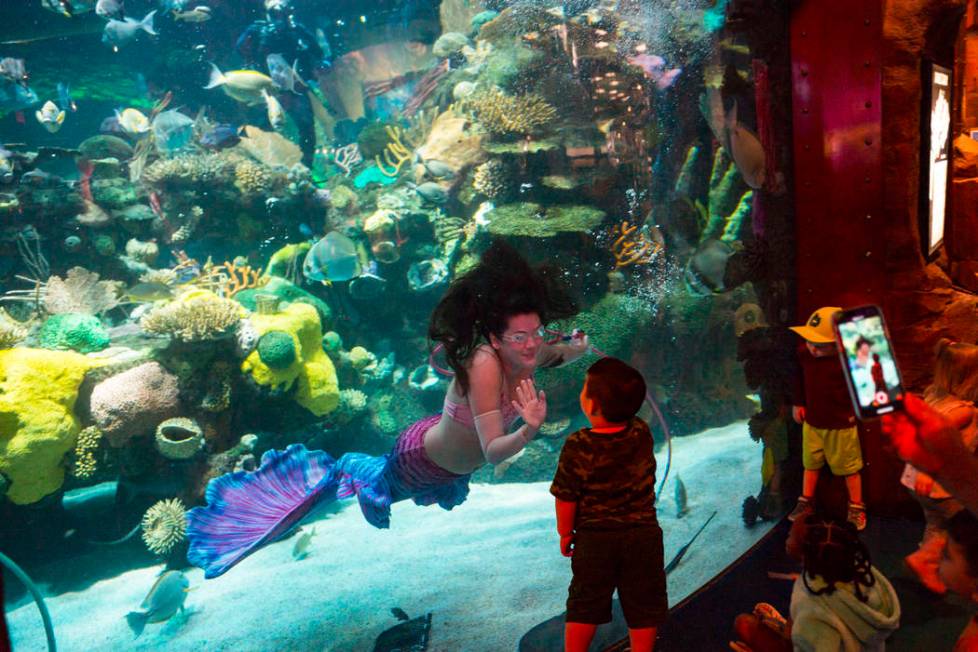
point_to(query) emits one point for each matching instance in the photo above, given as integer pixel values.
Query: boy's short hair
(617, 389)
(963, 530)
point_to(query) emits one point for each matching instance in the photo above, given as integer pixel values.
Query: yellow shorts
(839, 448)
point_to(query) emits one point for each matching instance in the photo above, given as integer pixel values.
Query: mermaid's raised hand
(530, 404)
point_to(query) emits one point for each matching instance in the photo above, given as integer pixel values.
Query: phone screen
(868, 360)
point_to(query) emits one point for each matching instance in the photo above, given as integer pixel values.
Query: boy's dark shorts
(630, 560)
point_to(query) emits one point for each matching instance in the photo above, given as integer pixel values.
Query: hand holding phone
(868, 361)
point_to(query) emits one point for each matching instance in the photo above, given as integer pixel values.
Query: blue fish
(220, 137)
(14, 97)
(64, 96)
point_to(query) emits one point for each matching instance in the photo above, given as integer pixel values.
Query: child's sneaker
(802, 509)
(857, 515)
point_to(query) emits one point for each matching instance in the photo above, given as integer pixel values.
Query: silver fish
(121, 32)
(438, 169)
(162, 602)
(109, 9)
(333, 259)
(14, 69)
(196, 15)
(284, 76)
(172, 131)
(432, 192)
(301, 548)
(679, 495)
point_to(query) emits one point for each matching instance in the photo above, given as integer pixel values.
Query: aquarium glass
(224, 228)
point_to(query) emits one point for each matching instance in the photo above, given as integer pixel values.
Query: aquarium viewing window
(934, 152)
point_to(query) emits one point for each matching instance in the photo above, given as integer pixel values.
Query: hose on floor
(38, 598)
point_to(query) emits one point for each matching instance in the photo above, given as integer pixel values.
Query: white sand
(489, 571)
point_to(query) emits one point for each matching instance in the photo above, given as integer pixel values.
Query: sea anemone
(164, 526)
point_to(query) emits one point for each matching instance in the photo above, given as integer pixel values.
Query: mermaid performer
(490, 323)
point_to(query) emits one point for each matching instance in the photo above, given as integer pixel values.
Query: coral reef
(164, 526)
(529, 220)
(85, 463)
(507, 115)
(493, 179)
(195, 316)
(287, 293)
(251, 179)
(312, 373)
(132, 403)
(179, 438)
(76, 331)
(276, 349)
(188, 170)
(12, 332)
(38, 426)
(80, 291)
(353, 403)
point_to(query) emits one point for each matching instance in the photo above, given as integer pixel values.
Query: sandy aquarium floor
(488, 571)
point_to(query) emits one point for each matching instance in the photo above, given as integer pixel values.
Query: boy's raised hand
(532, 406)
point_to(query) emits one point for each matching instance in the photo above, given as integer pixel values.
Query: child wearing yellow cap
(822, 405)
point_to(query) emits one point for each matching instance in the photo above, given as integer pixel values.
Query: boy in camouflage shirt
(605, 493)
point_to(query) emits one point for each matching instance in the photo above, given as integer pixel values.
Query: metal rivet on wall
(868, 254)
(804, 110)
(869, 104)
(868, 141)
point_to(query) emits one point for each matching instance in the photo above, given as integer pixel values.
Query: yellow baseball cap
(818, 328)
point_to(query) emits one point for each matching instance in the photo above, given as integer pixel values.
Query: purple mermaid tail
(246, 511)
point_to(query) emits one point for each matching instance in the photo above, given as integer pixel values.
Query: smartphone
(866, 352)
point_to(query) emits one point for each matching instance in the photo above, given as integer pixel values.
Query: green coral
(373, 140)
(75, 331)
(276, 349)
(311, 373)
(529, 220)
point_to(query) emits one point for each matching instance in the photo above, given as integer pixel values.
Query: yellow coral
(38, 427)
(252, 179)
(11, 331)
(317, 389)
(506, 114)
(492, 179)
(194, 316)
(396, 153)
(361, 358)
(87, 445)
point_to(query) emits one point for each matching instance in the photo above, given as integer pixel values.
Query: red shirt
(823, 392)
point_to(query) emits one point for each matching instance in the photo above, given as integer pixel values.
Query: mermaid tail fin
(364, 476)
(246, 511)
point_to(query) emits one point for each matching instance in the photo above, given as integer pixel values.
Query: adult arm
(485, 389)
(925, 439)
(560, 353)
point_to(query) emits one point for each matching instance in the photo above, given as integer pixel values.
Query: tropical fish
(172, 131)
(220, 136)
(431, 192)
(14, 97)
(64, 96)
(283, 76)
(333, 258)
(301, 548)
(243, 85)
(437, 169)
(132, 121)
(148, 292)
(162, 602)
(121, 32)
(50, 117)
(746, 151)
(276, 115)
(68, 7)
(679, 495)
(199, 14)
(14, 69)
(654, 68)
(109, 9)
(706, 268)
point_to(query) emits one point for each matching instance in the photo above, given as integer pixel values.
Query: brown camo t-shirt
(611, 477)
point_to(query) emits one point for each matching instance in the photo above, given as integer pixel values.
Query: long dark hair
(481, 301)
(832, 551)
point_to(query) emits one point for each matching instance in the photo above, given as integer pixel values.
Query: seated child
(953, 394)
(958, 570)
(606, 519)
(823, 407)
(840, 602)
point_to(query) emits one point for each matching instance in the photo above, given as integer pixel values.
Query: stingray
(409, 636)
